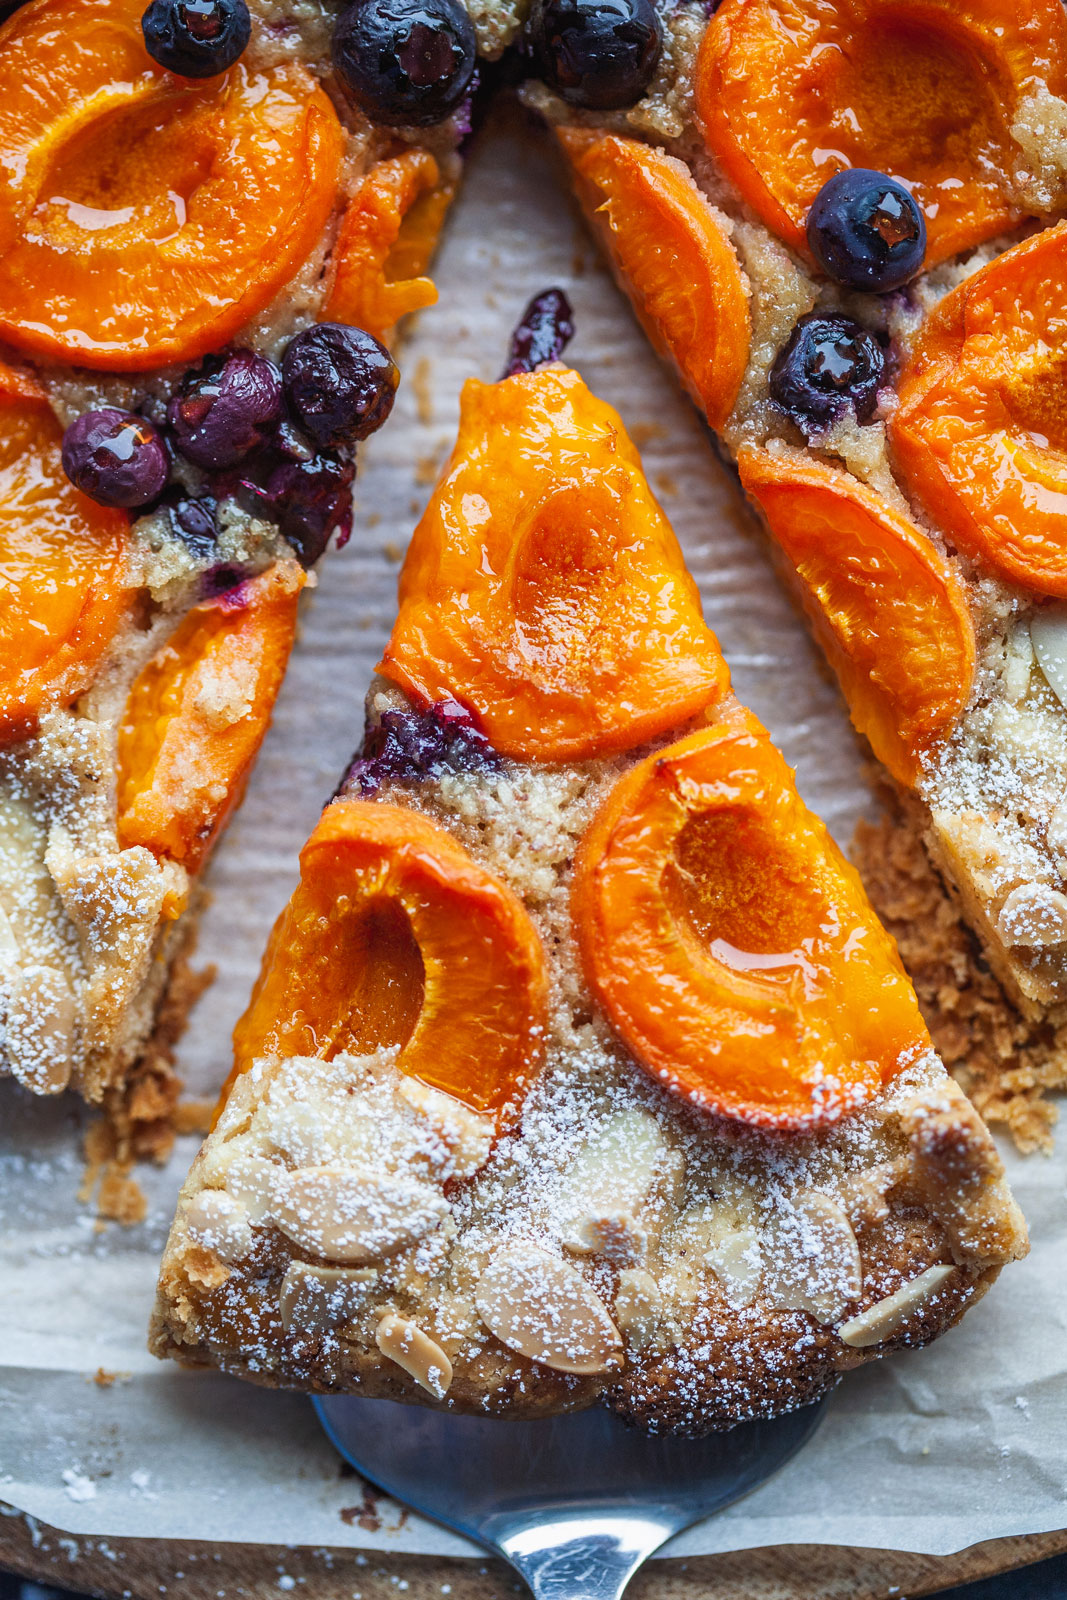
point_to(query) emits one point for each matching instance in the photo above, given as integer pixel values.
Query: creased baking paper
(931, 1451)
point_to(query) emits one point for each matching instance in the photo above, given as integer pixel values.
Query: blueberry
(340, 383)
(829, 363)
(543, 332)
(599, 54)
(407, 746)
(227, 410)
(196, 38)
(193, 522)
(310, 501)
(116, 458)
(866, 231)
(406, 61)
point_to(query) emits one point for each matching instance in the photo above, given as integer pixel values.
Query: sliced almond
(811, 1258)
(638, 1307)
(312, 1297)
(886, 1317)
(255, 1181)
(420, 1356)
(39, 1029)
(606, 1189)
(220, 1223)
(1057, 834)
(1034, 914)
(544, 1309)
(295, 1131)
(714, 1234)
(349, 1214)
(1048, 634)
(467, 1136)
(1018, 664)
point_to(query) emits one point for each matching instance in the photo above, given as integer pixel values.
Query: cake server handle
(590, 1557)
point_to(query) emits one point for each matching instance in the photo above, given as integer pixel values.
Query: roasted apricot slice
(396, 938)
(63, 582)
(791, 91)
(387, 236)
(981, 430)
(675, 257)
(145, 218)
(544, 588)
(197, 713)
(887, 608)
(731, 944)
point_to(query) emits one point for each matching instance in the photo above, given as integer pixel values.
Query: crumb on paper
(1007, 1065)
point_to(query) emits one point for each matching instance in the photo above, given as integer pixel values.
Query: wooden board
(142, 1569)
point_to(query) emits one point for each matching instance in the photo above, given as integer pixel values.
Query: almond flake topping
(544, 1309)
(886, 1317)
(420, 1356)
(346, 1214)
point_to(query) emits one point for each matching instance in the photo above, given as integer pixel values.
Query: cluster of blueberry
(412, 62)
(267, 437)
(867, 233)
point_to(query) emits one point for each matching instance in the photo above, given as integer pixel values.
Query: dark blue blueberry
(340, 383)
(310, 501)
(225, 411)
(408, 746)
(405, 61)
(600, 54)
(196, 38)
(866, 231)
(116, 458)
(194, 524)
(829, 363)
(543, 333)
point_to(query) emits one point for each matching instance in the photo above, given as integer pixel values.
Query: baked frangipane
(579, 1068)
(209, 219)
(824, 212)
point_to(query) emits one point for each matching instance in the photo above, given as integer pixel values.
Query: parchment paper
(930, 1451)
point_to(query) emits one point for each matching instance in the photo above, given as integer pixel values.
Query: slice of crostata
(579, 1069)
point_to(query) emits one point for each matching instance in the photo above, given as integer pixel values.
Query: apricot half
(674, 256)
(981, 430)
(386, 239)
(63, 579)
(887, 608)
(544, 588)
(396, 938)
(197, 713)
(791, 91)
(144, 218)
(731, 944)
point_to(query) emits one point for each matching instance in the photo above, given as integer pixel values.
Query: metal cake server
(574, 1503)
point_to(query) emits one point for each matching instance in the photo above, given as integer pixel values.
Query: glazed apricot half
(544, 588)
(396, 938)
(887, 608)
(791, 91)
(63, 577)
(730, 943)
(980, 434)
(675, 257)
(197, 713)
(387, 236)
(144, 218)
